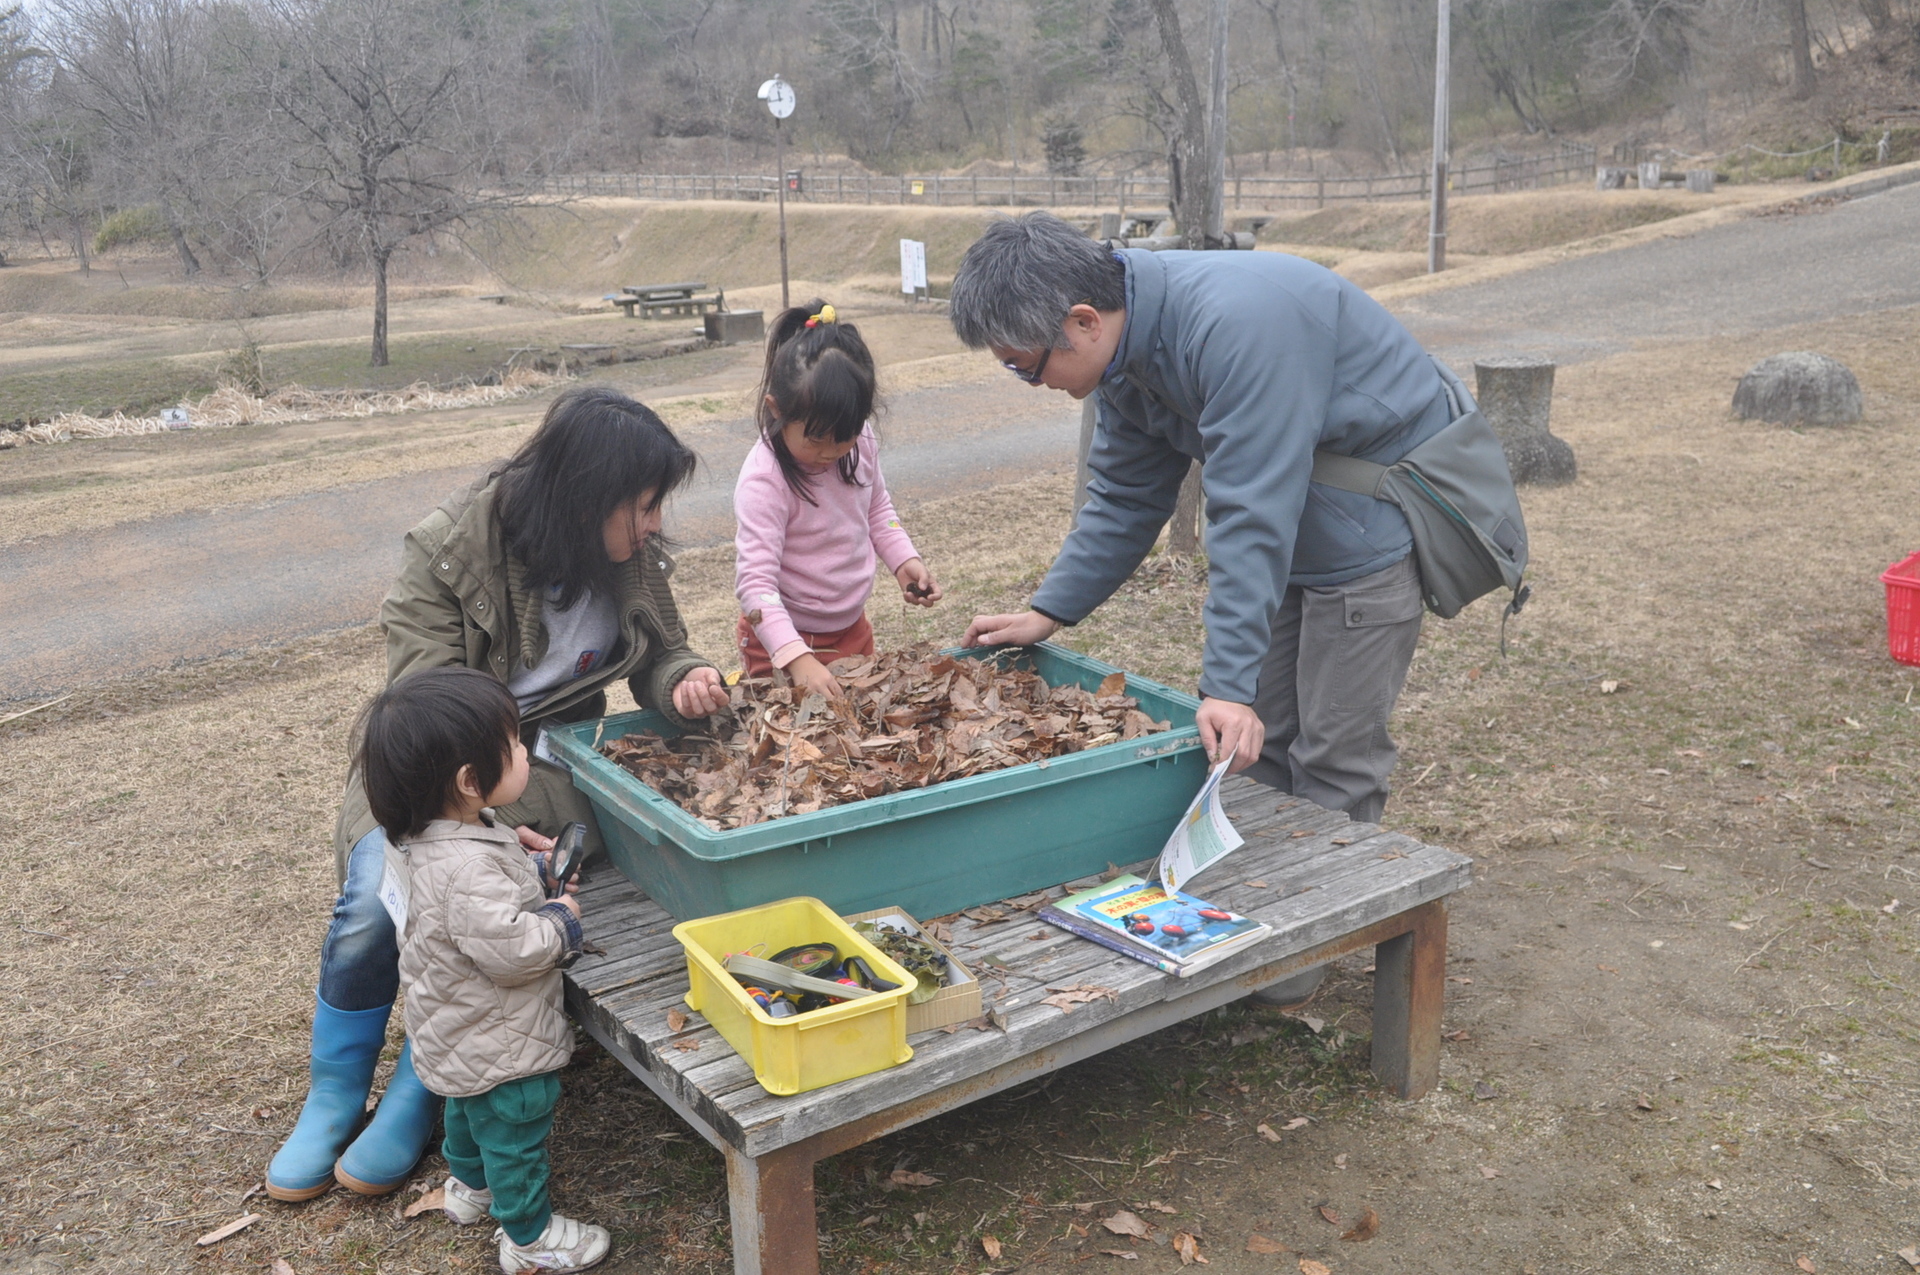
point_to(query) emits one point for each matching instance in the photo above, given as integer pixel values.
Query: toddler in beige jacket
(481, 949)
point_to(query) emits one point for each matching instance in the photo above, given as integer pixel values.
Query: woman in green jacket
(549, 574)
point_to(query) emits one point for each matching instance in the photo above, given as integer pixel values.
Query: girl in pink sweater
(813, 509)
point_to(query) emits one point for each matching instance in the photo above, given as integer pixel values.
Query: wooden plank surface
(1311, 874)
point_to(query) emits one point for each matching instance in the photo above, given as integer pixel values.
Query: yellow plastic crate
(807, 1051)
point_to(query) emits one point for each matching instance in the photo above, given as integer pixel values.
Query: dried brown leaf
(687, 1044)
(1065, 998)
(908, 1177)
(1805, 1263)
(991, 1247)
(1327, 1213)
(281, 1266)
(676, 1019)
(1488, 1172)
(1910, 1255)
(427, 1203)
(1298, 1122)
(1266, 1131)
(1188, 1248)
(1158, 1207)
(1126, 1222)
(1124, 1255)
(1310, 1267)
(1261, 1244)
(1365, 1229)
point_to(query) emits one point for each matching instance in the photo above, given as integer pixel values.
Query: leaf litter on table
(909, 719)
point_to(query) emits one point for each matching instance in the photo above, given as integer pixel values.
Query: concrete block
(731, 327)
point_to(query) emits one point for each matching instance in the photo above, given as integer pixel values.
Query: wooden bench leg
(1409, 984)
(771, 1199)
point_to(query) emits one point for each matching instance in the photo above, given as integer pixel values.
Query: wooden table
(1334, 887)
(650, 300)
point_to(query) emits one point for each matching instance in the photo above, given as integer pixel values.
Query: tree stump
(1798, 388)
(1516, 395)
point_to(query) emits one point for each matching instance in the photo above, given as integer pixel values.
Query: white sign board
(913, 266)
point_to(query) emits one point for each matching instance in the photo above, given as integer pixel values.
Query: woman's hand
(700, 693)
(808, 672)
(1023, 629)
(1227, 727)
(917, 584)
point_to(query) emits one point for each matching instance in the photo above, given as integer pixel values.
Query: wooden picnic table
(1331, 887)
(650, 300)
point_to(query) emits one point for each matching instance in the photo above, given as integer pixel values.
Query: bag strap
(1349, 473)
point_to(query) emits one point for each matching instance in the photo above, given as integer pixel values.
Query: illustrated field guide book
(1173, 932)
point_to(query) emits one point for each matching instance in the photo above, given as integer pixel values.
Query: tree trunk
(380, 258)
(1879, 15)
(1192, 197)
(80, 252)
(1183, 533)
(1802, 49)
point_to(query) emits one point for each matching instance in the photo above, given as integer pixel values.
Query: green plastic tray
(929, 850)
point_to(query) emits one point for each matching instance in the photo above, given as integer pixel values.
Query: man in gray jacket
(1249, 362)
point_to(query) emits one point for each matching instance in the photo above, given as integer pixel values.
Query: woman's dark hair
(822, 376)
(417, 734)
(596, 450)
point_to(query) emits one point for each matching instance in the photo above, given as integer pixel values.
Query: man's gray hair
(1019, 279)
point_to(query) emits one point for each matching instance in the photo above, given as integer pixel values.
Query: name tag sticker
(393, 897)
(543, 751)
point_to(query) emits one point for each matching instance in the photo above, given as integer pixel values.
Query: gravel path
(145, 595)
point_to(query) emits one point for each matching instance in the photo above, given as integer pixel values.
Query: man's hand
(1023, 629)
(1227, 727)
(700, 693)
(808, 672)
(917, 584)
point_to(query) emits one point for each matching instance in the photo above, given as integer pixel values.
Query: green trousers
(497, 1141)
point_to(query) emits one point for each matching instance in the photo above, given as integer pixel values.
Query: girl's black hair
(821, 375)
(596, 450)
(417, 734)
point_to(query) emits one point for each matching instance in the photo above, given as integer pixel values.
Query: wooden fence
(1569, 163)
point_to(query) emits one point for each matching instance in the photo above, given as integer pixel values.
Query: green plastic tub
(929, 850)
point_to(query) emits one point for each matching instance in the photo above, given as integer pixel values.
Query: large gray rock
(1798, 388)
(1516, 396)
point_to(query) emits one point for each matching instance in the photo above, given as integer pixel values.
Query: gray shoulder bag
(1469, 538)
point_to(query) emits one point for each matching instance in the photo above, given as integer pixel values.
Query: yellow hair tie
(825, 316)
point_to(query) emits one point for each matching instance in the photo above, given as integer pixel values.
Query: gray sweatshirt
(1248, 361)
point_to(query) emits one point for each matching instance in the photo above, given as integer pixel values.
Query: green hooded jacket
(461, 600)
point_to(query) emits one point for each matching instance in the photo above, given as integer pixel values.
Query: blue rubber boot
(394, 1140)
(346, 1045)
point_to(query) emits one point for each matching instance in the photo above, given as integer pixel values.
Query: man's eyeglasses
(1030, 375)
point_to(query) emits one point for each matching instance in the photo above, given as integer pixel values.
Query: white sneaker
(463, 1204)
(566, 1245)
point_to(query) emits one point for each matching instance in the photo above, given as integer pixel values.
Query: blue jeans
(360, 961)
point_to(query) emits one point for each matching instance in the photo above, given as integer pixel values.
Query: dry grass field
(1681, 1024)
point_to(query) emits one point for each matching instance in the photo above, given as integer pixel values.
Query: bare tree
(1800, 43)
(1186, 132)
(401, 131)
(137, 70)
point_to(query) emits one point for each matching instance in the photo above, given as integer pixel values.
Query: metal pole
(1216, 228)
(780, 176)
(1437, 222)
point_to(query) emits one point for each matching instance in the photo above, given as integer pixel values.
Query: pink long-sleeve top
(808, 568)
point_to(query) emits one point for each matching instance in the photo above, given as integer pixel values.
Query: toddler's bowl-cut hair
(417, 734)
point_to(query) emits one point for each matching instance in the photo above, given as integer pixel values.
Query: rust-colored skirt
(855, 639)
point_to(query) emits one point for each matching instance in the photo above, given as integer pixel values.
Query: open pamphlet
(1173, 932)
(1204, 835)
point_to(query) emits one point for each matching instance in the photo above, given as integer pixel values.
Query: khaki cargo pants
(1338, 660)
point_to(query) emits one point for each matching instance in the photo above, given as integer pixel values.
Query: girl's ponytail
(819, 372)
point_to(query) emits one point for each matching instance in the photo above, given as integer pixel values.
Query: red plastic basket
(1903, 609)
